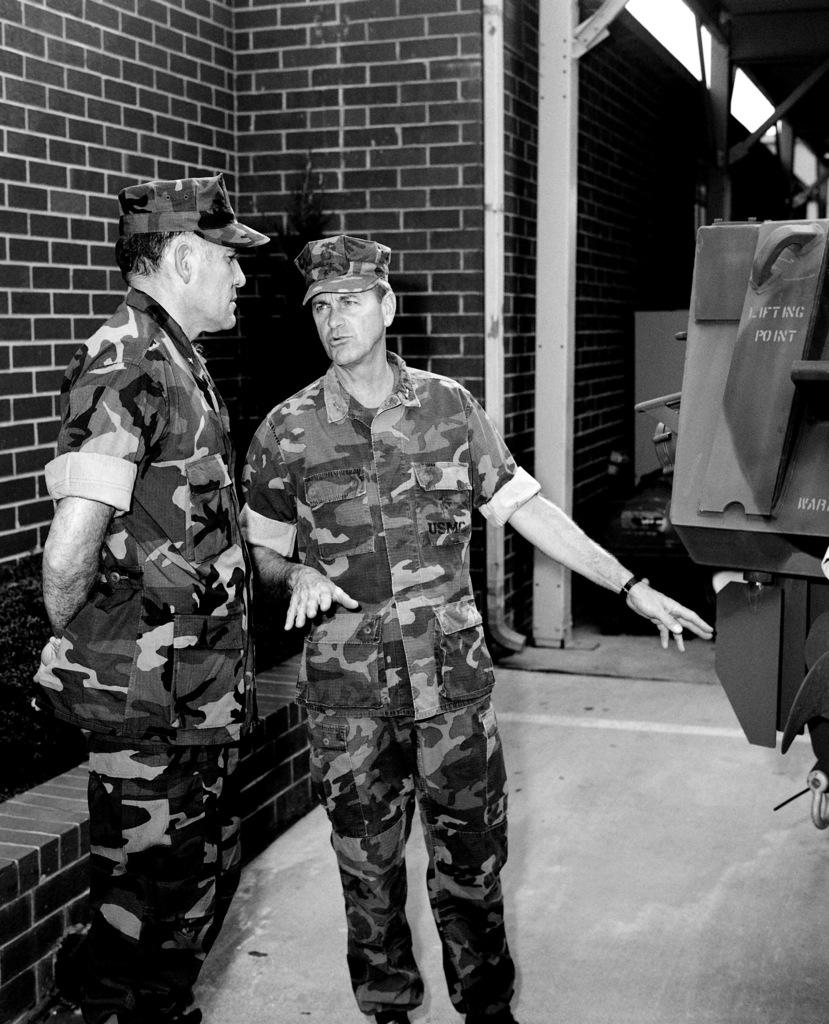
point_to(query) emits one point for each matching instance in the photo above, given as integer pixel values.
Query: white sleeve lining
(268, 533)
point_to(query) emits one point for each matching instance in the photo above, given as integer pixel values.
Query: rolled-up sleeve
(501, 486)
(516, 492)
(268, 533)
(112, 417)
(103, 478)
(269, 516)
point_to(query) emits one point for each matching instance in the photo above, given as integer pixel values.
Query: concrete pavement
(649, 881)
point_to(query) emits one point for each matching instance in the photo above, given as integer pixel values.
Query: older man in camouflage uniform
(374, 472)
(146, 583)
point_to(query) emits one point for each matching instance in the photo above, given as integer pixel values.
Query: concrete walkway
(649, 881)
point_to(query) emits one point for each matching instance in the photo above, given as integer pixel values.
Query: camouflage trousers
(367, 773)
(165, 863)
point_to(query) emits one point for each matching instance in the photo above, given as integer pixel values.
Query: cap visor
(344, 284)
(236, 235)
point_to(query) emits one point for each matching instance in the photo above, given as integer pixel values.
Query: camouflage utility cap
(343, 264)
(200, 205)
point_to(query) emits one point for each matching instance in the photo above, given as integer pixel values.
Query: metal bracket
(594, 29)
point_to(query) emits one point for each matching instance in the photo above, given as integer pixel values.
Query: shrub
(33, 746)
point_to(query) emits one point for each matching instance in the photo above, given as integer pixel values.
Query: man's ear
(183, 257)
(389, 306)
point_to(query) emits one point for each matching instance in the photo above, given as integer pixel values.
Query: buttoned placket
(399, 699)
(384, 476)
(422, 707)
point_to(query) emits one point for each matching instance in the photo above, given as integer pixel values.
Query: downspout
(493, 100)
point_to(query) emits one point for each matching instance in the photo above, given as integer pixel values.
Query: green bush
(33, 746)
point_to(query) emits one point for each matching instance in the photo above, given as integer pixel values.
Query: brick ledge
(44, 842)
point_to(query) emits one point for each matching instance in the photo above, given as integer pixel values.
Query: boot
(502, 1017)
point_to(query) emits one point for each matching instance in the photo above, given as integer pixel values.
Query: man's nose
(240, 277)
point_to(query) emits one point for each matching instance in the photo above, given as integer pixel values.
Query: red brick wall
(94, 96)
(388, 108)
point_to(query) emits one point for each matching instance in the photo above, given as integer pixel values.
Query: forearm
(554, 533)
(276, 573)
(71, 557)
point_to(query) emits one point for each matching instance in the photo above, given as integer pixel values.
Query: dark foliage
(33, 746)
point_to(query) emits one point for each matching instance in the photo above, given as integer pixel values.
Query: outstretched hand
(312, 593)
(668, 615)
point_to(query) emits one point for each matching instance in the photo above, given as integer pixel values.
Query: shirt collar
(147, 304)
(337, 399)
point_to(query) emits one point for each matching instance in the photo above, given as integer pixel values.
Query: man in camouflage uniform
(373, 471)
(146, 583)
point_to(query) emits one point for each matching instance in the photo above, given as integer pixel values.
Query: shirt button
(115, 577)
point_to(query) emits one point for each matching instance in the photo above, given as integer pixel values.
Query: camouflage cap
(200, 205)
(342, 264)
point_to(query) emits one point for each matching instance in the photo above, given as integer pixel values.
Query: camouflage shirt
(382, 504)
(160, 650)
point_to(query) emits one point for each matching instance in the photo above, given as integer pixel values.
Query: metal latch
(818, 782)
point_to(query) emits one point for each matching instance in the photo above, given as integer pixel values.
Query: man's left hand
(669, 616)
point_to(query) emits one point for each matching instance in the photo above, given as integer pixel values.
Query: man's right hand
(312, 593)
(50, 651)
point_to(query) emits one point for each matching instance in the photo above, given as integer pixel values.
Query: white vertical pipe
(493, 100)
(555, 299)
(719, 187)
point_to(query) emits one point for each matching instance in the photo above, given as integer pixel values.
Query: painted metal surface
(751, 486)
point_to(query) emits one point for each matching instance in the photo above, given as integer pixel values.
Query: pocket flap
(208, 631)
(207, 474)
(442, 476)
(336, 485)
(347, 628)
(458, 615)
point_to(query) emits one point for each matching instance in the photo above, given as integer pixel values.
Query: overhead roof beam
(758, 38)
(738, 151)
(709, 13)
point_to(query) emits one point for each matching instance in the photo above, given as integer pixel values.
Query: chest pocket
(209, 510)
(341, 516)
(444, 502)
